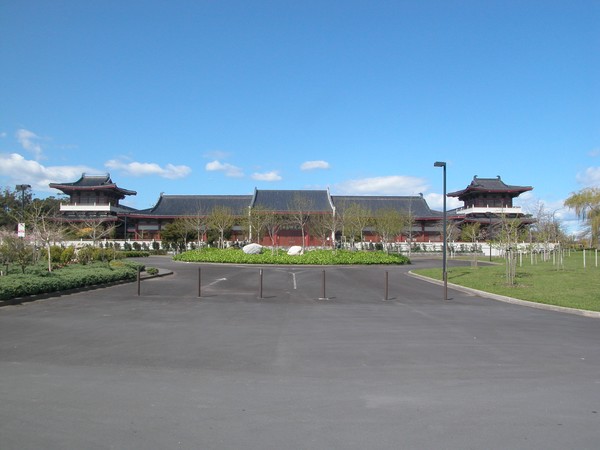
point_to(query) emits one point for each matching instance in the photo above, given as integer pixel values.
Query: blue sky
(220, 97)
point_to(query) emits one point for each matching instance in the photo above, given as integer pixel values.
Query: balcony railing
(74, 207)
(498, 210)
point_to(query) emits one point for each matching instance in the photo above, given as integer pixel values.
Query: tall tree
(586, 204)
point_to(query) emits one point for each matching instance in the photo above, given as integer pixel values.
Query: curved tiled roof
(292, 200)
(191, 205)
(416, 205)
(92, 182)
(484, 185)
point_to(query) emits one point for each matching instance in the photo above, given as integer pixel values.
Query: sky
(361, 97)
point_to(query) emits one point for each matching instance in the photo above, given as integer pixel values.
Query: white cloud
(30, 142)
(436, 202)
(311, 165)
(229, 169)
(387, 185)
(19, 170)
(138, 169)
(267, 176)
(589, 177)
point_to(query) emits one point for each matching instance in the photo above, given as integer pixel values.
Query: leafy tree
(178, 233)
(389, 223)
(586, 204)
(12, 203)
(222, 220)
(355, 219)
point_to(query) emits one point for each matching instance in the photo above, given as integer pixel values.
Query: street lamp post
(444, 267)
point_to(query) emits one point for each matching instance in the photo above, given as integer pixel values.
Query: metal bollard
(386, 286)
(323, 295)
(260, 283)
(139, 279)
(199, 282)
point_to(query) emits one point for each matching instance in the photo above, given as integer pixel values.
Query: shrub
(70, 277)
(314, 257)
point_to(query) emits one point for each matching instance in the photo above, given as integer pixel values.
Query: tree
(94, 228)
(221, 219)
(272, 224)
(258, 218)
(299, 216)
(355, 219)
(178, 233)
(45, 226)
(511, 231)
(12, 203)
(197, 224)
(322, 226)
(586, 204)
(389, 223)
(471, 232)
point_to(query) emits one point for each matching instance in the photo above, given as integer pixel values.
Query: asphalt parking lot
(108, 369)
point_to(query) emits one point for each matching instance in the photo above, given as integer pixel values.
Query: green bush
(313, 257)
(69, 277)
(152, 270)
(67, 255)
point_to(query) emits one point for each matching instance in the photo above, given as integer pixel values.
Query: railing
(490, 210)
(86, 207)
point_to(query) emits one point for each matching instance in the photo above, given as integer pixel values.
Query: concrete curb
(514, 301)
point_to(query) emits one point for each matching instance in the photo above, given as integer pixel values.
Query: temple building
(93, 197)
(488, 201)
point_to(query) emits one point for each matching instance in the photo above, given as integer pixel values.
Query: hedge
(70, 277)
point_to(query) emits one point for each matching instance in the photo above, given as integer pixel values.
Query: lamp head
(439, 164)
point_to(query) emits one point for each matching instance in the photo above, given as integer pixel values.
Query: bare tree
(471, 232)
(389, 223)
(94, 228)
(46, 227)
(322, 226)
(221, 219)
(300, 209)
(356, 219)
(198, 224)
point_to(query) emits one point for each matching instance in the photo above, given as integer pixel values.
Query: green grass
(571, 285)
(313, 257)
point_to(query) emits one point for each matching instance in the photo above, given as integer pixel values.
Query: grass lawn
(569, 285)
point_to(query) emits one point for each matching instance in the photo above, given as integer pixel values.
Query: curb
(514, 301)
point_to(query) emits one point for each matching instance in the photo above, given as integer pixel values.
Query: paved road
(106, 369)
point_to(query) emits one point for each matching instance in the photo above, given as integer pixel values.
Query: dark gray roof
(91, 182)
(292, 200)
(489, 185)
(191, 205)
(416, 205)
